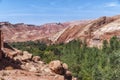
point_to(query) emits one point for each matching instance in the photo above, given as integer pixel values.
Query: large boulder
(65, 66)
(24, 56)
(57, 67)
(36, 58)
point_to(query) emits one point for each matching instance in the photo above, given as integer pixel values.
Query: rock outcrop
(22, 65)
(92, 31)
(58, 67)
(24, 56)
(36, 58)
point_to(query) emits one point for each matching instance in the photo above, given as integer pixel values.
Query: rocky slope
(92, 31)
(18, 65)
(23, 32)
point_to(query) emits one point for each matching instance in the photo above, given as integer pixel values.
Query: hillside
(92, 31)
(22, 65)
(85, 63)
(24, 32)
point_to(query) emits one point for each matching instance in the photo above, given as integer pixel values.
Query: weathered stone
(18, 57)
(26, 56)
(33, 69)
(19, 52)
(36, 58)
(47, 70)
(55, 64)
(65, 66)
(23, 56)
(57, 67)
(29, 67)
(41, 62)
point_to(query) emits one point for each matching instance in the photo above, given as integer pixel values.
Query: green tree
(114, 43)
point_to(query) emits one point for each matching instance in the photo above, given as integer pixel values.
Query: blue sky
(48, 11)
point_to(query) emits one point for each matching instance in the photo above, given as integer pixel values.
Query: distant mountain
(92, 31)
(24, 32)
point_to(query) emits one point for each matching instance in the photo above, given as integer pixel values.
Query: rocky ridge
(25, 32)
(22, 65)
(92, 31)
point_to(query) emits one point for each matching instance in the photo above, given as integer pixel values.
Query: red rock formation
(23, 32)
(91, 31)
(16, 64)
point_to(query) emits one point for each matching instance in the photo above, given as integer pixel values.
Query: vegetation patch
(86, 63)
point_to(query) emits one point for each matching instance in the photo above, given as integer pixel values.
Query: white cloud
(112, 4)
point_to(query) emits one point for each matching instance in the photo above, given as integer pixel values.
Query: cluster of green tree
(86, 63)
